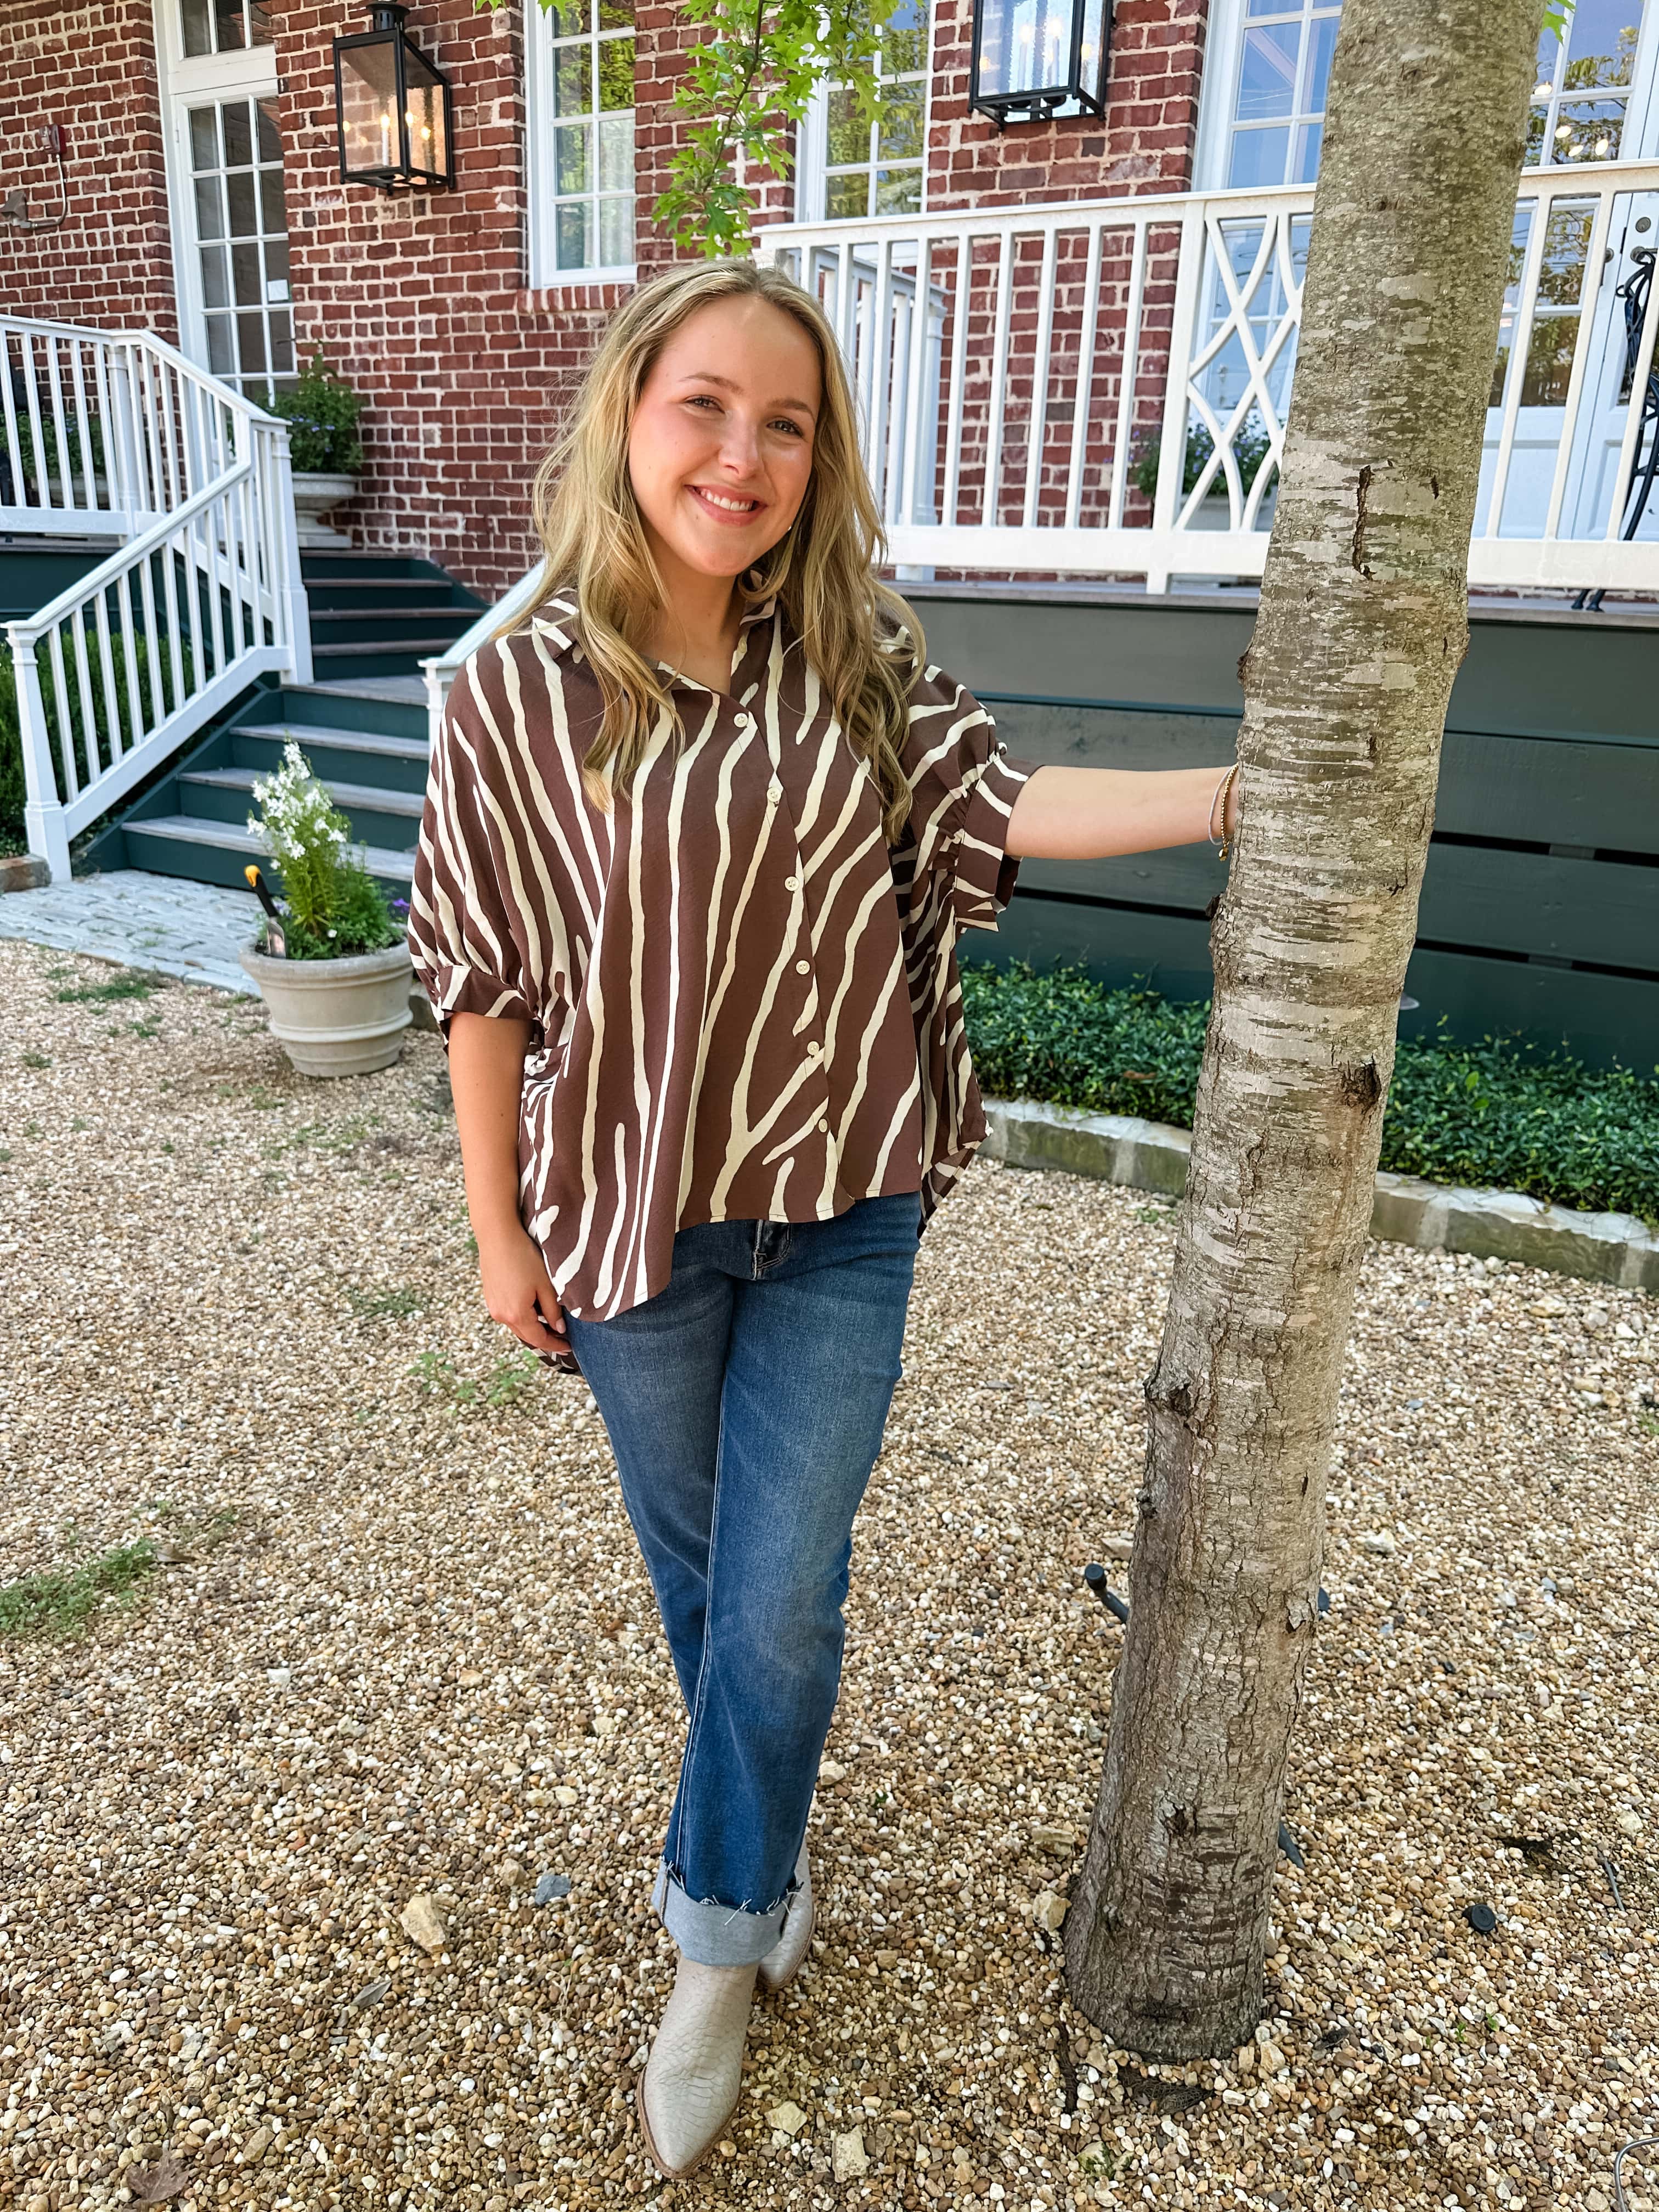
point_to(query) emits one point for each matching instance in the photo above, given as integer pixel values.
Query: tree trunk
(1362, 624)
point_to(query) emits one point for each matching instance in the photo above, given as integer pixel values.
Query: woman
(702, 833)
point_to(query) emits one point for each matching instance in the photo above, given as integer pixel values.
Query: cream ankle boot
(782, 1962)
(691, 2081)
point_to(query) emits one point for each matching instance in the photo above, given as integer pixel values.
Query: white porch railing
(439, 671)
(115, 433)
(1100, 388)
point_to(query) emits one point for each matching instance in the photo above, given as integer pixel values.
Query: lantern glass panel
(1025, 46)
(423, 105)
(368, 108)
(1091, 63)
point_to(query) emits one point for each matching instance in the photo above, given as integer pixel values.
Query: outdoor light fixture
(1037, 59)
(392, 108)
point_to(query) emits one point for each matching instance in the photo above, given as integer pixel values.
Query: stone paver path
(142, 921)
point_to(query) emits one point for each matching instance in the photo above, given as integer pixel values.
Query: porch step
(388, 625)
(361, 724)
(306, 734)
(217, 852)
(364, 656)
(380, 615)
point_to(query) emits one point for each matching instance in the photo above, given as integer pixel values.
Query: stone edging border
(22, 871)
(1615, 1249)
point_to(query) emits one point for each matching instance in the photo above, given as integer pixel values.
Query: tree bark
(1362, 625)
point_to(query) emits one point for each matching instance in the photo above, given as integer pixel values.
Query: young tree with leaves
(1362, 624)
(748, 83)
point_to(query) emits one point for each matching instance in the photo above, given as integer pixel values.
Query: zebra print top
(742, 1005)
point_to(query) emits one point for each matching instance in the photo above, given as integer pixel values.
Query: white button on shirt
(803, 967)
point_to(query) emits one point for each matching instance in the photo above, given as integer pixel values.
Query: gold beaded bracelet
(1221, 790)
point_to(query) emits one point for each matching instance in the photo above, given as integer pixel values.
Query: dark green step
(377, 816)
(388, 625)
(378, 568)
(353, 756)
(331, 706)
(394, 593)
(217, 852)
(367, 658)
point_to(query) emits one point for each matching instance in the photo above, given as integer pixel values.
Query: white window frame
(812, 142)
(1641, 132)
(1225, 45)
(542, 269)
(246, 72)
(1224, 48)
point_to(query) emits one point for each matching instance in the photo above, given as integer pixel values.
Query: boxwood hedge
(1500, 1113)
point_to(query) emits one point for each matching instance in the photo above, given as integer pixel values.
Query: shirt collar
(558, 620)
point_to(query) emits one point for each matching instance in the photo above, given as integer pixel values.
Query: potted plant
(322, 413)
(338, 992)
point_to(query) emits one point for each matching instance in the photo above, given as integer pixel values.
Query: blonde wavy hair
(822, 570)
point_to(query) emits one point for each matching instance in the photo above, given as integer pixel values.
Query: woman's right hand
(520, 1294)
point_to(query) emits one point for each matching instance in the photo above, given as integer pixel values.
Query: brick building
(459, 314)
(1072, 339)
(203, 199)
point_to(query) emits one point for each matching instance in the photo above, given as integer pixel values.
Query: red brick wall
(91, 68)
(1143, 144)
(420, 301)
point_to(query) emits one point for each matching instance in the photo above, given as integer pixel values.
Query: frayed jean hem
(717, 1935)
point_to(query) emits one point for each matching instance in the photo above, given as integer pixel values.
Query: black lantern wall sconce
(393, 114)
(1034, 59)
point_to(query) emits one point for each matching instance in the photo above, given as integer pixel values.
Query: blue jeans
(745, 1404)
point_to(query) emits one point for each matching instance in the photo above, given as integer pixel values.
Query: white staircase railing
(440, 670)
(1100, 388)
(114, 433)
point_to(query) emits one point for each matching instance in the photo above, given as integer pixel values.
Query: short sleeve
(963, 784)
(467, 930)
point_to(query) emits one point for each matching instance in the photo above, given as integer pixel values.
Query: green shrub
(335, 907)
(12, 792)
(1500, 1113)
(144, 692)
(1251, 448)
(322, 413)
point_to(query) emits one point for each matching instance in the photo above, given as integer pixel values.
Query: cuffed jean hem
(717, 1935)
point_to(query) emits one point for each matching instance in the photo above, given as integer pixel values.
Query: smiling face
(720, 451)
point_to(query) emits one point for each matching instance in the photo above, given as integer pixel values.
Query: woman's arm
(1091, 813)
(486, 1074)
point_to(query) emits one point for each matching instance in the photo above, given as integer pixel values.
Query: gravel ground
(421, 1662)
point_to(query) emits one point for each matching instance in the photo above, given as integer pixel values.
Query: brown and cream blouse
(743, 1006)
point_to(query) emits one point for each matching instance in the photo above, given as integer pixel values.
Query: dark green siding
(1541, 907)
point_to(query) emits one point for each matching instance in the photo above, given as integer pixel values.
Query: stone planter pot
(336, 1017)
(315, 494)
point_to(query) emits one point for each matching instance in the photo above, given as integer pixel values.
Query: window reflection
(1597, 57)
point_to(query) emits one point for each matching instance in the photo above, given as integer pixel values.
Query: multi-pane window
(241, 239)
(876, 168)
(1279, 102)
(1581, 100)
(225, 26)
(589, 102)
